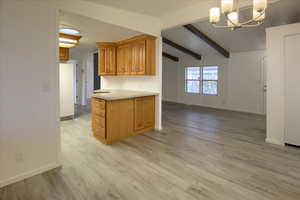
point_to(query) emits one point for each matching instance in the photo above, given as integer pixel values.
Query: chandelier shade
(227, 6)
(230, 9)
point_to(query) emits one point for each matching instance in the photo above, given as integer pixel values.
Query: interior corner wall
(142, 83)
(29, 89)
(240, 82)
(276, 81)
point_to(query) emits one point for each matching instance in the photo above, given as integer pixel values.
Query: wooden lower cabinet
(144, 113)
(118, 119)
(99, 118)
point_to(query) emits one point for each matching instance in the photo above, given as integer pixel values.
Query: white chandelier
(231, 9)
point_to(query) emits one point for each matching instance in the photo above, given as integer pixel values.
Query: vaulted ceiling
(154, 8)
(249, 39)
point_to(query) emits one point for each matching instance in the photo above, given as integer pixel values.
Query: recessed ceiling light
(70, 31)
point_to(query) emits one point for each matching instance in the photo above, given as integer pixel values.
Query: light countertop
(113, 94)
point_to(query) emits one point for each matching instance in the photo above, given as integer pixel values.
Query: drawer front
(98, 107)
(98, 126)
(98, 121)
(98, 112)
(100, 132)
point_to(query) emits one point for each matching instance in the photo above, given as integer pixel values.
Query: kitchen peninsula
(118, 114)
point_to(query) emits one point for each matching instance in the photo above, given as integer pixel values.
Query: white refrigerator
(67, 87)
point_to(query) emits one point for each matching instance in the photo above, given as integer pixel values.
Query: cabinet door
(144, 113)
(149, 110)
(119, 119)
(107, 58)
(120, 60)
(63, 54)
(124, 59)
(139, 57)
(111, 60)
(139, 113)
(102, 68)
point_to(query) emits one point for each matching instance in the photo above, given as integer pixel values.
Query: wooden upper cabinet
(124, 61)
(63, 54)
(134, 56)
(139, 58)
(107, 59)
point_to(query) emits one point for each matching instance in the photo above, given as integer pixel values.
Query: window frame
(186, 80)
(201, 80)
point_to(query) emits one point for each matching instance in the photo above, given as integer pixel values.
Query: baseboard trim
(29, 174)
(71, 117)
(158, 129)
(274, 141)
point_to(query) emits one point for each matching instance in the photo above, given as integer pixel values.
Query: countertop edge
(124, 96)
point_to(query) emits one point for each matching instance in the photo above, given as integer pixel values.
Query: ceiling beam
(208, 40)
(181, 48)
(171, 57)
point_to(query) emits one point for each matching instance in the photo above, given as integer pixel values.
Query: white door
(292, 80)
(66, 86)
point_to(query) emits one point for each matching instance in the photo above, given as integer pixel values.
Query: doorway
(97, 84)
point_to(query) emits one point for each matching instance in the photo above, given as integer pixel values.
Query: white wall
(142, 83)
(170, 84)
(276, 81)
(240, 82)
(29, 92)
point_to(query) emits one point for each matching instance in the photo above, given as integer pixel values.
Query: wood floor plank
(201, 153)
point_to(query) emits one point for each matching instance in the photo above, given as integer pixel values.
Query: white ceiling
(283, 12)
(93, 31)
(156, 8)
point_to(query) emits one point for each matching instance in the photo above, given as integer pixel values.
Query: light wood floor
(201, 154)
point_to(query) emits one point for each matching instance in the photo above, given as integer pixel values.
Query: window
(210, 80)
(202, 80)
(192, 79)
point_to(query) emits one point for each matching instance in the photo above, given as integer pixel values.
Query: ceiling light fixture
(68, 41)
(70, 31)
(66, 45)
(231, 9)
